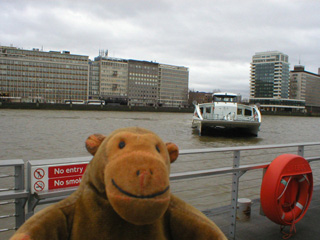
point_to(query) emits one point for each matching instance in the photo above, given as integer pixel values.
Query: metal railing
(17, 193)
(21, 194)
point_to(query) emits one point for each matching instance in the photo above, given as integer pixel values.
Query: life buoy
(286, 189)
(291, 207)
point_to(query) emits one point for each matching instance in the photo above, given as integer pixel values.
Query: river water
(49, 134)
(43, 134)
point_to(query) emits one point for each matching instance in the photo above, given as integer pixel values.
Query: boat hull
(243, 127)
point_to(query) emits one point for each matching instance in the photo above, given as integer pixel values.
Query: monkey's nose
(145, 177)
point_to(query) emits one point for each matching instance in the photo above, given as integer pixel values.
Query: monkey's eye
(158, 149)
(122, 144)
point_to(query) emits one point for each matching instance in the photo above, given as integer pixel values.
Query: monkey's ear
(173, 151)
(93, 142)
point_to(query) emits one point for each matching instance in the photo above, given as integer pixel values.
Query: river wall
(84, 107)
(48, 106)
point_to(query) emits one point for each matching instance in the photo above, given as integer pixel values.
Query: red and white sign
(39, 173)
(67, 170)
(55, 177)
(64, 182)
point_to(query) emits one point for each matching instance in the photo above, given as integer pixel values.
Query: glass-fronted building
(269, 75)
(269, 83)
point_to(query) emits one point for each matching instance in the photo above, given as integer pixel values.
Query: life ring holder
(286, 189)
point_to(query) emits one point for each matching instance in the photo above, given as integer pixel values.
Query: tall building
(305, 85)
(113, 79)
(143, 83)
(269, 75)
(269, 83)
(38, 76)
(174, 87)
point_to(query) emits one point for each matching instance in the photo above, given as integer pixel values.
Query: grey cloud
(215, 39)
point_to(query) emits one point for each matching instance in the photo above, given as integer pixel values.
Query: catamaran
(225, 113)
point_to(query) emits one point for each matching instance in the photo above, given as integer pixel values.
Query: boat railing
(205, 186)
(247, 118)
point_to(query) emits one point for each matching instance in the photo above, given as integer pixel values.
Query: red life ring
(286, 189)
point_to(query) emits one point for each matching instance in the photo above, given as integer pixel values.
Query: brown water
(40, 134)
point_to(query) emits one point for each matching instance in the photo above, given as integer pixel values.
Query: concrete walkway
(261, 228)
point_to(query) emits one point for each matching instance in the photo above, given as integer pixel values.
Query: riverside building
(58, 77)
(269, 75)
(38, 76)
(269, 83)
(174, 87)
(109, 80)
(143, 83)
(305, 86)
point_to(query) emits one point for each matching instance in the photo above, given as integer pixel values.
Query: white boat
(225, 113)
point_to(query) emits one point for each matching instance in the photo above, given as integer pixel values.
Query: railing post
(30, 209)
(301, 151)
(19, 203)
(234, 194)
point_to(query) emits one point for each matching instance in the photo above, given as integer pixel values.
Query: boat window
(201, 110)
(225, 99)
(208, 109)
(239, 111)
(247, 112)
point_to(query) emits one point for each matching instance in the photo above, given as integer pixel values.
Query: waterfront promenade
(259, 227)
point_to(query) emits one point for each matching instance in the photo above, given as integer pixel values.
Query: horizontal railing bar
(11, 162)
(311, 159)
(6, 203)
(49, 194)
(6, 176)
(14, 194)
(52, 199)
(7, 229)
(5, 189)
(244, 148)
(209, 172)
(7, 216)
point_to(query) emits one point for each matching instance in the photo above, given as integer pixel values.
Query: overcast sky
(214, 39)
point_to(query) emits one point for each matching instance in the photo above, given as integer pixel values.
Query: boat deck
(259, 227)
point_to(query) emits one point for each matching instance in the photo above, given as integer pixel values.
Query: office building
(55, 77)
(113, 79)
(143, 83)
(38, 76)
(269, 83)
(269, 75)
(305, 85)
(174, 82)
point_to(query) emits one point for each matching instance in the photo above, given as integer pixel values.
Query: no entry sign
(48, 177)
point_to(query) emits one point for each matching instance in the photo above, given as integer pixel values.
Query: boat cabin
(225, 107)
(225, 97)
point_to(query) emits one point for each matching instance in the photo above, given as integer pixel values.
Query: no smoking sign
(39, 186)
